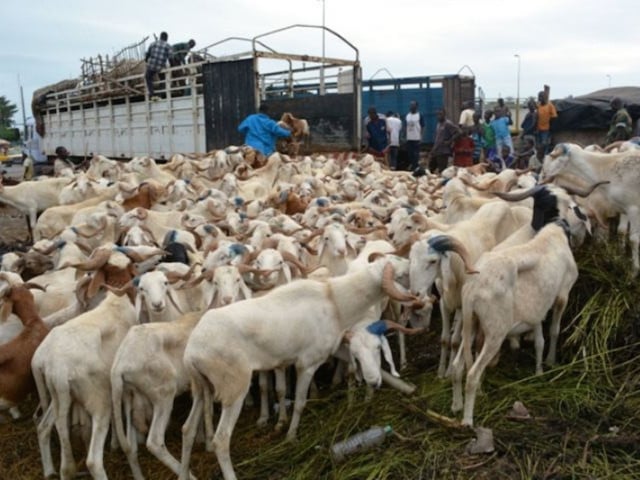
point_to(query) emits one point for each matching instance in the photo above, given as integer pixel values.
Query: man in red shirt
(463, 149)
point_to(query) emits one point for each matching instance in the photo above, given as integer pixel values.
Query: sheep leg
(305, 375)
(281, 392)
(99, 429)
(338, 373)
(263, 381)
(457, 370)
(44, 440)
(445, 340)
(558, 309)
(455, 338)
(190, 427)
(156, 438)
(222, 439)
(131, 449)
(208, 419)
(491, 346)
(634, 238)
(61, 402)
(539, 347)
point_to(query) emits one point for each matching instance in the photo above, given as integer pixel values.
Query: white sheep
(300, 323)
(511, 295)
(622, 170)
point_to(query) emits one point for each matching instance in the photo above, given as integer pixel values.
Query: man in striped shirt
(156, 58)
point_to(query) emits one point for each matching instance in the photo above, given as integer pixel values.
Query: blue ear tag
(136, 281)
(377, 328)
(238, 249)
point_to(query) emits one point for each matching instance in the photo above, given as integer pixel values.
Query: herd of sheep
(146, 281)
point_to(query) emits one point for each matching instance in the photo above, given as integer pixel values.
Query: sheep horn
(443, 243)
(482, 188)
(49, 249)
(364, 231)
(583, 192)
(391, 325)
(97, 259)
(140, 257)
(173, 302)
(312, 235)
(34, 286)
(390, 289)
(206, 275)
(290, 258)
(517, 196)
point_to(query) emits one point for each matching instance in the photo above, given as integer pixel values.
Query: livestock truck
(106, 110)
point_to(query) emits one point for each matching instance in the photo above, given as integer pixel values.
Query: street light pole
(518, 95)
(322, 64)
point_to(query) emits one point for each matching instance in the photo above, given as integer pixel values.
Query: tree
(7, 111)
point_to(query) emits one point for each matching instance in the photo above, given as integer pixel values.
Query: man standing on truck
(156, 58)
(261, 132)
(179, 52)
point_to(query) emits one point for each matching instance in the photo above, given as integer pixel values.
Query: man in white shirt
(394, 125)
(466, 116)
(415, 129)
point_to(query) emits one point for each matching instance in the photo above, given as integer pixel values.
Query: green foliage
(10, 134)
(7, 111)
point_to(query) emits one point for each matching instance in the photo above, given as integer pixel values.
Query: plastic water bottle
(360, 441)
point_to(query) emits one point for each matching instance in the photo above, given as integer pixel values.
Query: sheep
(72, 366)
(229, 343)
(366, 340)
(622, 170)
(299, 132)
(149, 364)
(56, 218)
(16, 381)
(148, 193)
(512, 294)
(146, 168)
(33, 197)
(430, 263)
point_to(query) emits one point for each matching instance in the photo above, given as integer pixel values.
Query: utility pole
(322, 89)
(24, 113)
(518, 96)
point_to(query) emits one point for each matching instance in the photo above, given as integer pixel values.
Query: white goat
(622, 170)
(511, 295)
(228, 344)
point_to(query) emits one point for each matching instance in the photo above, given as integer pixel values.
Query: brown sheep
(16, 381)
(299, 132)
(149, 193)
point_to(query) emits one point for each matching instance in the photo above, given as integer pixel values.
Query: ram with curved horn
(432, 264)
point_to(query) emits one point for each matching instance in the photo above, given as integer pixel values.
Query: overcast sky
(575, 46)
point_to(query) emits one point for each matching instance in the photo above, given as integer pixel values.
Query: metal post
(24, 114)
(322, 90)
(518, 95)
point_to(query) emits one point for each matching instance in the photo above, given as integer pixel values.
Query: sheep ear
(386, 353)
(94, 285)
(5, 310)
(141, 312)
(246, 291)
(287, 272)
(347, 336)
